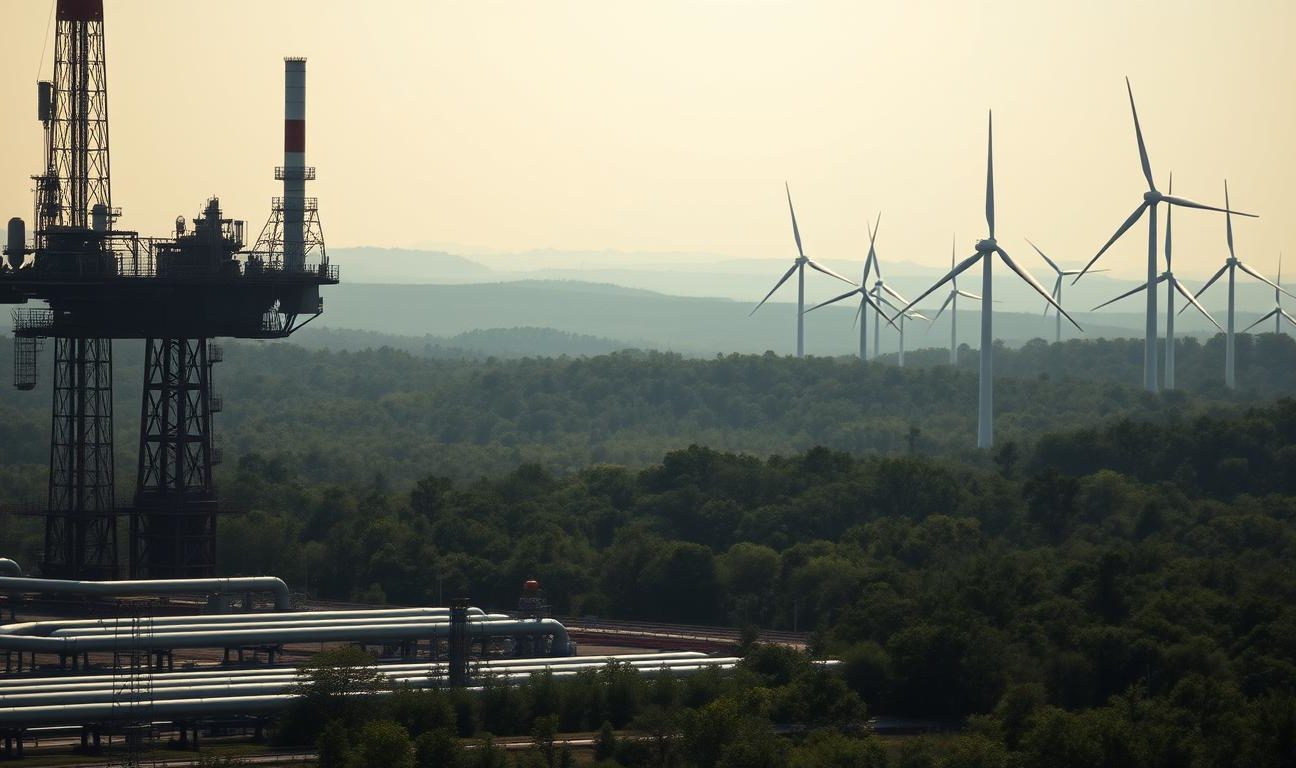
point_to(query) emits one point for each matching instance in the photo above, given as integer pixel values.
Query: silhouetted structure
(175, 293)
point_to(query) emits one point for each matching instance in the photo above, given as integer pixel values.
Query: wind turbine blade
(1138, 133)
(1055, 267)
(1272, 312)
(877, 263)
(969, 295)
(1228, 218)
(1186, 203)
(858, 311)
(1124, 295)
(1057, 286)
(916, 316)
(1169, 222)
(936, 317)
(880, 310)
(796, 231)
(834, 300)
(959, 269)
(1263, 279)
(781, 281)
(990, 218)
(1208, 284)
(871, 263)
(894, 294)
(1131, 221)
(1193, 301)
(953, 246)
(1032, 282)
(1290, 319)
(830, 273)
(1190, 203)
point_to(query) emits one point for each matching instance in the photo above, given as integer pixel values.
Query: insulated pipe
(219, 638)
(152, 586)
(390, 670)
(294, 167)
(160, 691)
(46, 627)
(205, 627)
(9, 567)
(169, 709)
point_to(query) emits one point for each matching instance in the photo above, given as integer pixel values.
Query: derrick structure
(174, 293)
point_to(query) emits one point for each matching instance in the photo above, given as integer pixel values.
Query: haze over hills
(633, 318)
(747, 280)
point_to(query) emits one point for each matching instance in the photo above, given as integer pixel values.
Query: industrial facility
(175, 649)
(175, 293)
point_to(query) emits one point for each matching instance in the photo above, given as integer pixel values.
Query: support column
(173, 528)
(81, 524)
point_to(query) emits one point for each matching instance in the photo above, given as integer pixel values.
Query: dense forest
(1121, 595)
(348, 416)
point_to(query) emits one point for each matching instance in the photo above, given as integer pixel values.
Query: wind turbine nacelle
(986, 246)
(1152, 196)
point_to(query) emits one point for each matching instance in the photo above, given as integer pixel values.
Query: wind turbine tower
(951, 301)
(798, 266)
(1231, 265)
(1277, 313)
(1172, 285)
(1057, 286)
(861, 316)
(985, 251)
(1151, 198)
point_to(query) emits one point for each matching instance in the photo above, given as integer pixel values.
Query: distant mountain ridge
(641, 319)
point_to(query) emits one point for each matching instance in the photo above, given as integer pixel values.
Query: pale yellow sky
(670, 126)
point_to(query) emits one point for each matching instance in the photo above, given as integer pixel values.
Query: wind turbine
(985, 250)
(861, 317)
(951, 301)
(879, 292)
(1277, 313)
(1231, 266)
(901, 315)
(798, 266)
(1151, 198)
(1172, 285)
(1057, 285)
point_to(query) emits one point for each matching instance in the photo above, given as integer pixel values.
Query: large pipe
(203, 627)
(391, 670)
(45, 627)
(9, 567)
(235, 585)
(161, 690)
(231, 638)
(199, 706)
(294, 167)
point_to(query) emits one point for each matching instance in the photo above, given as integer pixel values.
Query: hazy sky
(671, 126)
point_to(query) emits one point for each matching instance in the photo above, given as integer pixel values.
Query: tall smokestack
(294, 171)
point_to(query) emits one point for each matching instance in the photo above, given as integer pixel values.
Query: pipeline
(233, 585)
(224, 619)
(392, 670)
(68, 645)
(162, 688)
(207, 702)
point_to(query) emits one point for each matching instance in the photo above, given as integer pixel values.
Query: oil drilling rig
(176, 293)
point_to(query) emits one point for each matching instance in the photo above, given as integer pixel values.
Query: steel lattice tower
(80, 527)
(174, 294)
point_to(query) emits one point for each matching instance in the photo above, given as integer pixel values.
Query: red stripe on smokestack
(80, 10)
(294, 135)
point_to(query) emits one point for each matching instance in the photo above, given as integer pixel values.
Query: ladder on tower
(132, 706)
